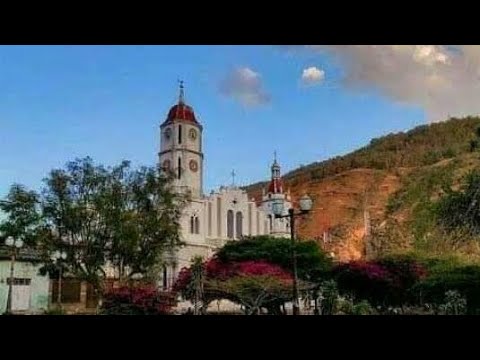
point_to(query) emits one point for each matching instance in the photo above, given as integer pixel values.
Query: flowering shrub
(137, 300)
(252, 291)
(252, 284)
(384, 282)
(404, 274)
(312, 262)
(218, 270)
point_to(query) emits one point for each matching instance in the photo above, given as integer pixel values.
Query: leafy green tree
(455, 303)
(312, 263)
(23, 218)
(459, 209)
(464, 279)
(198, 283)
(329, 297)
(254, 284)
(117, 218)
(253, 292)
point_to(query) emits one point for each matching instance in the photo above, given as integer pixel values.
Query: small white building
(209, 221)
(30, 289)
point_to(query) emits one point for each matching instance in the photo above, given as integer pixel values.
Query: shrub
(348, 307)
(137, 300)
(404, 272)
(55, 311)
(363, 281)
(463, 279)
(329, 297)
(312, 263)
(386, 282)
(455, 304)
(252, 284)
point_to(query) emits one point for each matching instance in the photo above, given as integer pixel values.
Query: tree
(142, 299)
(312, 263)
(253, 292)
(22, 214)
(464, 279)
(116, 218)
(142, 214)
(198, 279)
(459, 209)
(385, 282)
(252, 284)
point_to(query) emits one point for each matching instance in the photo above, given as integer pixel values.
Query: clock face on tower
(193, 165)
(193, 134)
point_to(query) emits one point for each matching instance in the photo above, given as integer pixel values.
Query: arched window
(239, 224)
(197, 225)
(192, 225)
(249, 219)
(219, 217)
(165, 279)
(179, 134)
(259, 231)
(230, 224)
(209, 219)
(179, 168)
(270, 222)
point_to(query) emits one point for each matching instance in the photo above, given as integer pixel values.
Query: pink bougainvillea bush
(142, 299)
(385, 282)
(253, 284)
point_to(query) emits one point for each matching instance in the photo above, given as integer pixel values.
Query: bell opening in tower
(179, 168)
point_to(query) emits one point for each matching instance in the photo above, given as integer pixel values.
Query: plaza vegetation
(116, 219)
(261, 282)
(124, 219)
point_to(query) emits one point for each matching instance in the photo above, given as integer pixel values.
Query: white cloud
(442, 79)
(312, 75)
(244, 85)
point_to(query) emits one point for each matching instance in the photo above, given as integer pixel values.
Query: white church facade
(209, 221)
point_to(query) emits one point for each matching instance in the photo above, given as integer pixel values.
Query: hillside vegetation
(392, 183)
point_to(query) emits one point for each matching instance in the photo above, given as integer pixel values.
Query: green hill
(403, 174)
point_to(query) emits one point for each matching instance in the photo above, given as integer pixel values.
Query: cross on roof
(181, 97)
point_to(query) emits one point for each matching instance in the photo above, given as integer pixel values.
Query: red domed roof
(181, 112)
(276, 186)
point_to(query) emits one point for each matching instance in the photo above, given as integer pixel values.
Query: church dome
(181, 111)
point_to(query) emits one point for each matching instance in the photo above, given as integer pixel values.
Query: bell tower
(276, 227)
(181, 147)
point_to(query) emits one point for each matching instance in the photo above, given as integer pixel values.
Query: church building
(228, 214)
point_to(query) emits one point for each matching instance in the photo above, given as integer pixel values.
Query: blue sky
(62, 102)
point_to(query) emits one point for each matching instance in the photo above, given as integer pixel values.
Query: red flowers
(214, 269)
(386, 281)
(137, 300)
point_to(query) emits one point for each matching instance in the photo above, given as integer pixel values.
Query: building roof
(181, 111)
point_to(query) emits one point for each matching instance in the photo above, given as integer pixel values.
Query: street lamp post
(278, 211)
(14, 245)
(57, 258)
